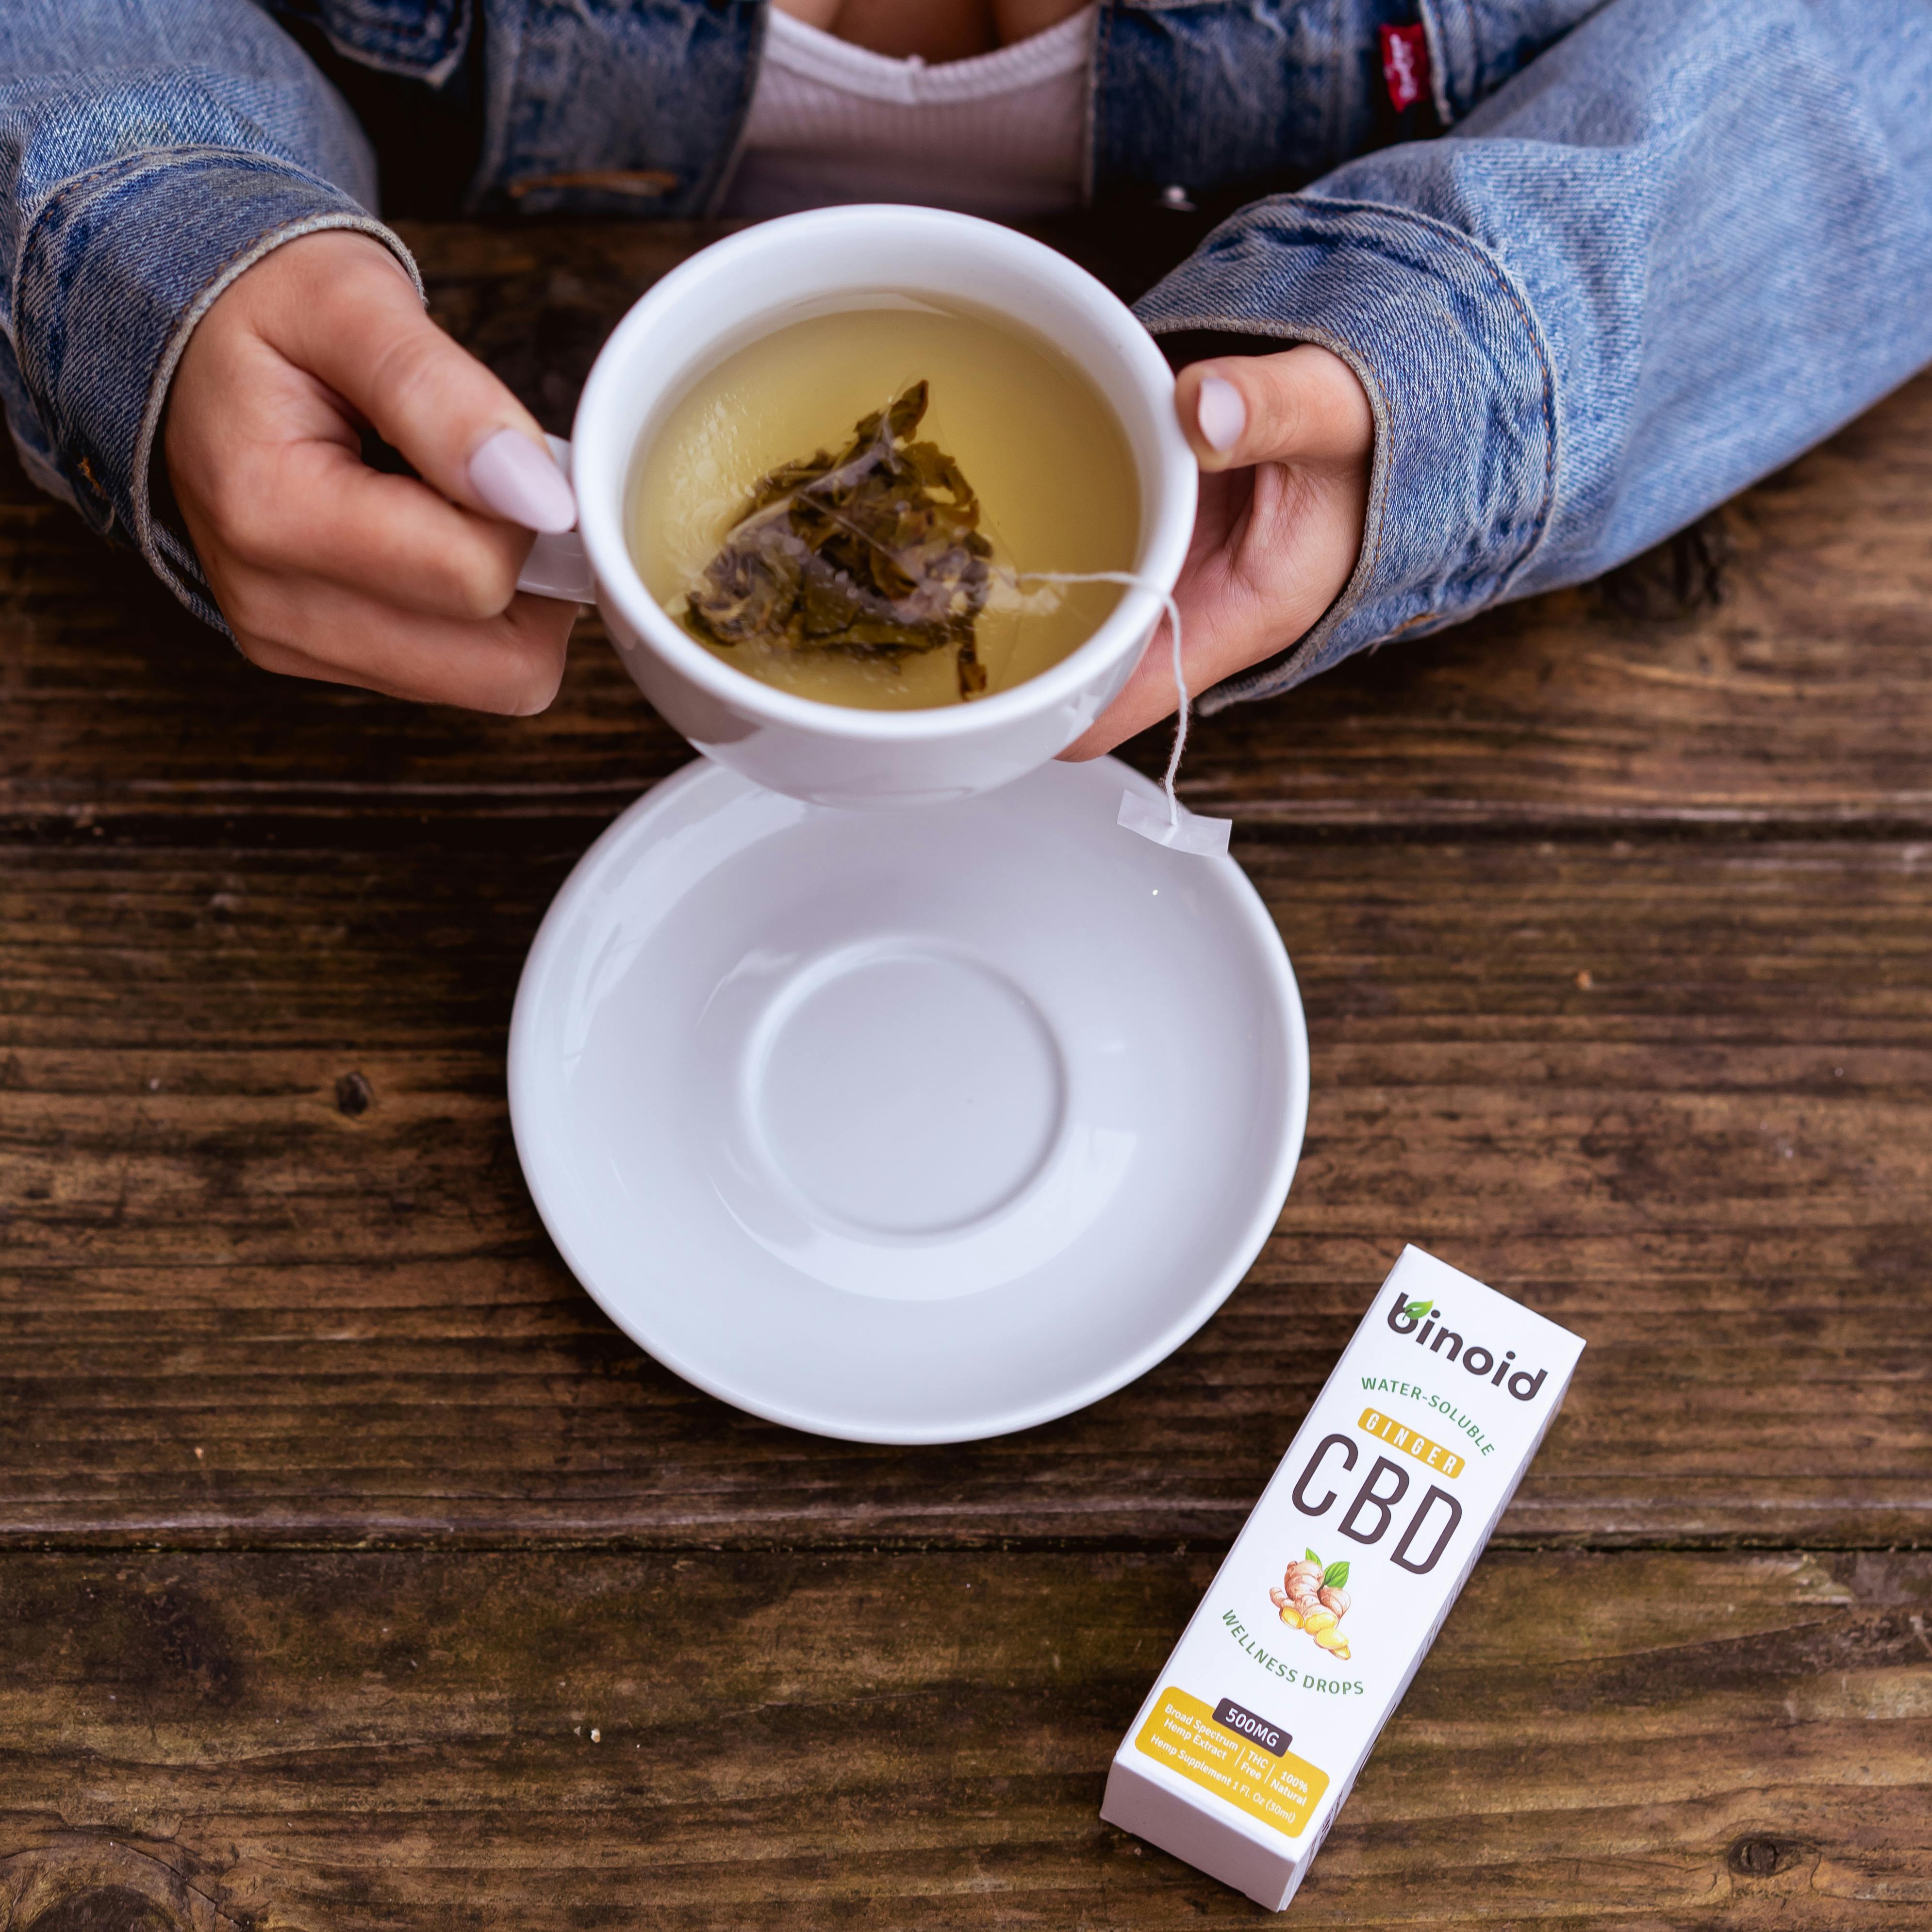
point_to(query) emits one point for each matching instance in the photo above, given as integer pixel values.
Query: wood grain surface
(281, 1279)
(1651, 1739)
(334, 1518)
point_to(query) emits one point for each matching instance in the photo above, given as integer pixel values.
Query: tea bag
(876, 550)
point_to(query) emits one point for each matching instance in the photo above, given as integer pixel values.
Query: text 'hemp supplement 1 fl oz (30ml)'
(1335, 1588)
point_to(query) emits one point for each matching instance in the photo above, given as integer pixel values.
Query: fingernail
(517, 480)
(1221, 413)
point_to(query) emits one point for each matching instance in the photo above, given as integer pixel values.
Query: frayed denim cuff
(1458, 375)
(121, 263)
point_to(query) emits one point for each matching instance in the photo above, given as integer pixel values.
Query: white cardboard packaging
(1252, 1737)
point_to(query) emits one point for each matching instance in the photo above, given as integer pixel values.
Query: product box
(1250, 1741)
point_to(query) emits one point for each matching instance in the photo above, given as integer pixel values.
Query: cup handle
(558, 565)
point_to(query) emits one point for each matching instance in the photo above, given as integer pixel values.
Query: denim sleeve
(150, 151)
(1683, 244)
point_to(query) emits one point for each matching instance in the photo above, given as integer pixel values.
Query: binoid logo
(1421, 1319)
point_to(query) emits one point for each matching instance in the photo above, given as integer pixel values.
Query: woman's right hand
(324, 567)
(1286, 442)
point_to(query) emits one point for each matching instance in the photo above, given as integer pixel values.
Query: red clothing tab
(1405, 64)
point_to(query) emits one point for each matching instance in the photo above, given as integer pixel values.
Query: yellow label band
(1180, 1732)
(1399, 1435)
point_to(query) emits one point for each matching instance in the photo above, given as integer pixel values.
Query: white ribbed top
(1003, 134)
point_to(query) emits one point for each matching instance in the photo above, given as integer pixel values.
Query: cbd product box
(1254, 1730)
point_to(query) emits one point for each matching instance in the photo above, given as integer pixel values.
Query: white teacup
(755, 282)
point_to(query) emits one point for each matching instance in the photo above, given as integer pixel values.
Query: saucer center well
(905, 1091)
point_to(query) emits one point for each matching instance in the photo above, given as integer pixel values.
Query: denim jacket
(1663, 246)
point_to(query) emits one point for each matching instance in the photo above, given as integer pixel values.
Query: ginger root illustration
(1311, 1598)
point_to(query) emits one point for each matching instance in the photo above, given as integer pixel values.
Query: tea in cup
(898, 565)
(780, 425)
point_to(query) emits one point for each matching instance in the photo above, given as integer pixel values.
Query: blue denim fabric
(614, 107)
(1667, 245)
(1475, 45)
(1206, 95)
(421, 40)
(1686, 242)
(148, 154)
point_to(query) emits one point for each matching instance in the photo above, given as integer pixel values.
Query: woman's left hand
(1285, 443)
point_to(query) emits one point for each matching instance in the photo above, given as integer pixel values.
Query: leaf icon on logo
(1311, 1557)
(1335, 1577)
(1416, 1310)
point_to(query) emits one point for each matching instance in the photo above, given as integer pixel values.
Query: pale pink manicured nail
(518, 481)
(1221, 413)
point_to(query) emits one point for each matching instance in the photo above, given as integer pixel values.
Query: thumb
(1304, 404)
(365, 335)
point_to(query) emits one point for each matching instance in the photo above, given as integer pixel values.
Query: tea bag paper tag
(1185, 832)
(1165, 820)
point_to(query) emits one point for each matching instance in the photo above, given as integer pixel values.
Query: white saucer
(912, 1126)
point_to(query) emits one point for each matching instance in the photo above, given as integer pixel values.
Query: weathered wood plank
(244, 1297)
(1651, 1740)
(1771, 671)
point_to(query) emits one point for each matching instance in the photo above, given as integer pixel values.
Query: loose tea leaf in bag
(876, 551)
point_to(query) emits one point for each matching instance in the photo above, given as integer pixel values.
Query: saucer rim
(1189, 1318)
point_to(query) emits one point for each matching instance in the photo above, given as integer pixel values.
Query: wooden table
(357, 1572)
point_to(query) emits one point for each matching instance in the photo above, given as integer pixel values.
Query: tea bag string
(1185, 831)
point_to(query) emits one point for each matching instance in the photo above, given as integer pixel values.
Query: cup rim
(1135, 616)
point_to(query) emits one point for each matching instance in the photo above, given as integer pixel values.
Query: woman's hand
(1285, 443)
(324, 567)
